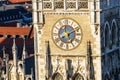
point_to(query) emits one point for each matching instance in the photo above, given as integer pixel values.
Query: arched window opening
(57, 76)
(107, 38)
(4, 18)
(113, 34)
(78, 77)
(13, 17)
(16, 16)
(10, 17)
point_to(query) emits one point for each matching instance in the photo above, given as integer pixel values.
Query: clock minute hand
(74, 30)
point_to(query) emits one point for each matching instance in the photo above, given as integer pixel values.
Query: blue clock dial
(66, 34)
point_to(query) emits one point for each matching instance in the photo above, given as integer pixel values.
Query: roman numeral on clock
(60, 23)
(66, 21)
(78, 34)
(57, 40)
(72, 44)
(67, 47)
(56, 27)
(55, 34)
(77, 40)
(77, 28)
(61, 44)
(71, 23)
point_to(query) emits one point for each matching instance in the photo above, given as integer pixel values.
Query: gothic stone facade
(76, 39)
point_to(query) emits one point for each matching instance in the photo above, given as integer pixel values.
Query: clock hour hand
(62, 36)
(66, 35)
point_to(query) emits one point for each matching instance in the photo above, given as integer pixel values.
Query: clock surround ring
(76, 40)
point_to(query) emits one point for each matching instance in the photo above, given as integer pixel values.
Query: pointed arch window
(78, 77)
(57, 76)
(113, 34)
(107, 37)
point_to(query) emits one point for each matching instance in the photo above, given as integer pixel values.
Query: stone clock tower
(67, 38)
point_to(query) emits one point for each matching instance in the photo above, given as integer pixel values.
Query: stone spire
(6, 64)
(24, 53)
(4, 56)
(24, 56)
(14, 51)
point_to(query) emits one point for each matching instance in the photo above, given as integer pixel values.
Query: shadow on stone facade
(49, 69)
(90, 66)
(69, 70)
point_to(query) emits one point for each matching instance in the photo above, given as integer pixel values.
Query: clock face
(66, 34)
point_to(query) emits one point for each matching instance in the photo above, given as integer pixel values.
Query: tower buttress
(39, 54)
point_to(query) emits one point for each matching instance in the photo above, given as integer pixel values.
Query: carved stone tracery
(59, 5)
(83, 5)
(71, 5)
(47, 5)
